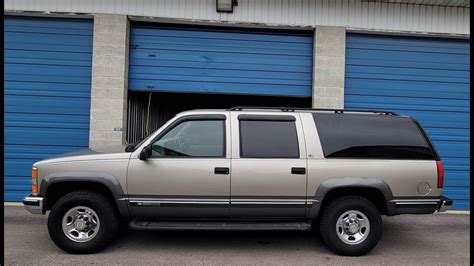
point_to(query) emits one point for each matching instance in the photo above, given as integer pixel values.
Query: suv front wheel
(83, 222)
(351, 226)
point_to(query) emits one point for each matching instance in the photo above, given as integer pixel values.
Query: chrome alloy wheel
(80, 224)
(352, 227)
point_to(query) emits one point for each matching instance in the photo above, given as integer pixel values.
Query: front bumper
(34, 204)
(445, 204)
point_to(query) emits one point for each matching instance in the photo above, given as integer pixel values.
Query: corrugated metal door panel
(214, 61)
(425, 78)
(47, 88)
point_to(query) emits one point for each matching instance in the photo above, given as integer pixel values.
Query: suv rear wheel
(351, 226)
(83, 222)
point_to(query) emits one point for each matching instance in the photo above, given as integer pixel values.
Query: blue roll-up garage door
(427, 78)
(220, 61)
(47, 94)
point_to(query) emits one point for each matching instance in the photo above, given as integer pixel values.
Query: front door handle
(298, 170)
(221, 170)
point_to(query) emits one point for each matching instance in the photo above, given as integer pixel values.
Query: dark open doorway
(164, 106)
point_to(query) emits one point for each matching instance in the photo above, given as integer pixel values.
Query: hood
(110, 152)
(102, 150)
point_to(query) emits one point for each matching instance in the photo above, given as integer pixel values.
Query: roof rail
(292, 109)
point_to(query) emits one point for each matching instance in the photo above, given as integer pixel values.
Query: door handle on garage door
(221, 170)
(298, 170)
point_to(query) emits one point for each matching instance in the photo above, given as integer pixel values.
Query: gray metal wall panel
(348, 13)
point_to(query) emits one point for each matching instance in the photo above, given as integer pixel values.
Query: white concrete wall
(329, 58)
(108, 119)
(353, 14)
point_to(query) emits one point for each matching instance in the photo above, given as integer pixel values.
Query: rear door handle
(221, 170)
(298, 170)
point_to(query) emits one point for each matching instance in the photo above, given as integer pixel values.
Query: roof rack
(292, 109)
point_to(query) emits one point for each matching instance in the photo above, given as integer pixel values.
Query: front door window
(198, 138)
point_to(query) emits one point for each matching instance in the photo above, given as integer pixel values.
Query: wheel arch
(374, 189)
(55, 186)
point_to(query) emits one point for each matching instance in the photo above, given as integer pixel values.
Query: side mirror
(145, 153)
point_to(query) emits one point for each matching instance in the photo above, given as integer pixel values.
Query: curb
(13, 204)
(457, 212)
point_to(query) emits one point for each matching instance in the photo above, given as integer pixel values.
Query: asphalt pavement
(439, 239)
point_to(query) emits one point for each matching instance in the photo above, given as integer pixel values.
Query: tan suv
(246, 168)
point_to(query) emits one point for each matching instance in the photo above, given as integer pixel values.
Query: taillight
(439, 167)
(34, 181)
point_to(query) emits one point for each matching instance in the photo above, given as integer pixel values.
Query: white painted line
(13, 204)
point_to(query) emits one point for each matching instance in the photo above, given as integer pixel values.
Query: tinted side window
(370, 136)
(200, 138)
(268, 139)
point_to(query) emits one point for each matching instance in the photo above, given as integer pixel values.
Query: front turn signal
(34, 181)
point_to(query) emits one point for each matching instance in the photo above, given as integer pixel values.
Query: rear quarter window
(371, 136)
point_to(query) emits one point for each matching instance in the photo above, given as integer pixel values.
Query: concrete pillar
(329, 67)
(108, 118)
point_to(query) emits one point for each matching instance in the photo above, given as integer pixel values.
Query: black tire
(105, 210)
(330, 216)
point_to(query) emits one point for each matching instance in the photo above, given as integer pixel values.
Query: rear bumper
(445, 204)
(418, 205)
(34, 204)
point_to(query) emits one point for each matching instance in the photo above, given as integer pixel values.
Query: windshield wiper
(130, 147)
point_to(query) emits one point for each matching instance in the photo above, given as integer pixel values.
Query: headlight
(34, 181)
